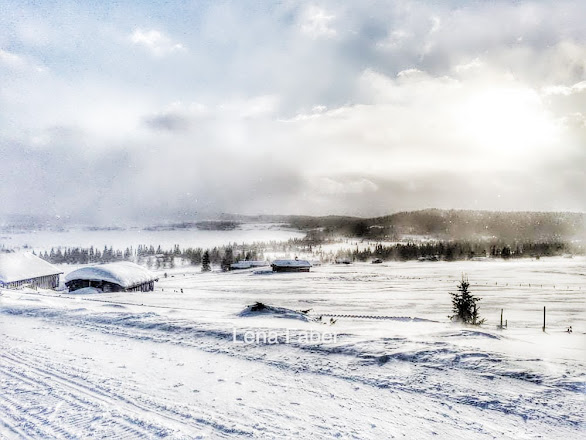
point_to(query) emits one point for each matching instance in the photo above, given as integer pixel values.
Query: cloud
(176, 117)
(331, 186)
(156, 42)
(19, 62)
(470, 66)
(316, 22)
(416, 124)
(565, 90)
(169, 121)
(314, 108)
(256, 106)
(11, 59)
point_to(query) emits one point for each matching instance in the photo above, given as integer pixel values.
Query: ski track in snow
(449, 371)
(78, 400)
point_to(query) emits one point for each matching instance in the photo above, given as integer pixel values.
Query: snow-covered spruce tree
(205, 262)
(464, 304)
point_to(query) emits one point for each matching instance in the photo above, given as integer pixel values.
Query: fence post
(543, 318)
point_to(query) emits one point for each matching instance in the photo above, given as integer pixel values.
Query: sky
(173, 110)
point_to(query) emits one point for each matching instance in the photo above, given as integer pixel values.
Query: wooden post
(543, 318)
(501, 318)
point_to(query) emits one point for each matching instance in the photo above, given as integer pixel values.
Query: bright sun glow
(508, 120)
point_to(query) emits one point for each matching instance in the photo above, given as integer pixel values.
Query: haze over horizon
(125, 111)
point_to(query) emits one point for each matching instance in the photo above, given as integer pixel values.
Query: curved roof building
(122, 276)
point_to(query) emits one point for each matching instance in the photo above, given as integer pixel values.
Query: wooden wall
(46, 282)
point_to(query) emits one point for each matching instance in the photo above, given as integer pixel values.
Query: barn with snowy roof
(122, 276)
(295, 265)
(24, 269)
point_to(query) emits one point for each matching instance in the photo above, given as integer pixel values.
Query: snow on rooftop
(123, 273)
(19, 266)
(248, 264)
(291, 263)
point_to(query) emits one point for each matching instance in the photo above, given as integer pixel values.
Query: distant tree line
(224, 256)
(456, 250)
(153, 257)
(78, 255)
(207, 225)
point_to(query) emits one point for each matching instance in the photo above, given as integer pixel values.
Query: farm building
(247, 264)
(291, 265)
(24, 269)
(122, 276)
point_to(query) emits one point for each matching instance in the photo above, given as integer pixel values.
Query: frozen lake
(120, 239)
(164, 363)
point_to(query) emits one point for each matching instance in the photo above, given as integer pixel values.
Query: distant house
(291, 265)
(247, 264)
(24, 269)
(121, 276)
(429, 258)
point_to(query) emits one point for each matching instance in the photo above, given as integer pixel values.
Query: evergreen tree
(228, 259)
(464, 304)
(205, 262)
(215, 256)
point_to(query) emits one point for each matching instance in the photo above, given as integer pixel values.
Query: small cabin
(247, 264)
(24, 269)
(122, 276)
(291, 265)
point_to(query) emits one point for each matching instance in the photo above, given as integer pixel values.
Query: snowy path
(163, 365)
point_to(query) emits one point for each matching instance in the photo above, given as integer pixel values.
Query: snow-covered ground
(165, 364)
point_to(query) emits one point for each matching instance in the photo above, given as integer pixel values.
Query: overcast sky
(130, 110)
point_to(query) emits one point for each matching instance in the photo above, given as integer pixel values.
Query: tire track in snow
(63, 404)
(7, 425)
(132, 417)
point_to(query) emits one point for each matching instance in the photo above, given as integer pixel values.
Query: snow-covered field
(165, 364)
